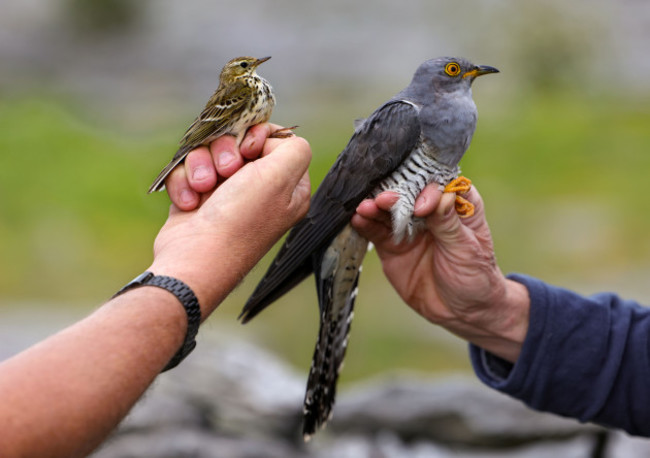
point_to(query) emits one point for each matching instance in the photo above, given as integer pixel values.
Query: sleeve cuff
(503, 375)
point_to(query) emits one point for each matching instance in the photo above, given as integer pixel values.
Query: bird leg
(461, 185)
(285, 132)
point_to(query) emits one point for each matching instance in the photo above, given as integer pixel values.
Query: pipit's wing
(214, 121)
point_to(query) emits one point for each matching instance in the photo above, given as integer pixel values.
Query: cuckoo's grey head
(447, 74)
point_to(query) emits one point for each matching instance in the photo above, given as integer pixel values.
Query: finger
(427, 201)
(386, 200)
(477, 220)
(301, 196)
(226, 156)
(378, 233)
(200, 171)
(289, 164)
(291, 157)
(369, 209)
(179, 190)
(253, 143)
(444, 223)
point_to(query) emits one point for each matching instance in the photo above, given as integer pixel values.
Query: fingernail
(200, 173)
(187, 196)
(419, 203)
(225, 158)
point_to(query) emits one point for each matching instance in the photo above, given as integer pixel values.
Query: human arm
(64, 395)
(558, 351)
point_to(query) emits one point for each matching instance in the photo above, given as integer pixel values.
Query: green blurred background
(95, 95)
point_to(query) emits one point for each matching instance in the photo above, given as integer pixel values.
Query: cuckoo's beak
(262, 60)
(480, 70)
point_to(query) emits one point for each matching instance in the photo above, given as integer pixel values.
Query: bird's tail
(326, 365)
(337, 281)
(159, 183)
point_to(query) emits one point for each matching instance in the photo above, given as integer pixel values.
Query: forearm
(64, 395)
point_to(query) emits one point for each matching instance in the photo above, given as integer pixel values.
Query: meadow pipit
(242, 99)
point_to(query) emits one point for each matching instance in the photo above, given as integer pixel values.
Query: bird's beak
(262, 60)
(480, 70)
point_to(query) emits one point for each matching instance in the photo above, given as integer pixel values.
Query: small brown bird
(242, 99)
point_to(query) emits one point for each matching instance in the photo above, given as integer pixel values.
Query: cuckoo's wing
(377, 147)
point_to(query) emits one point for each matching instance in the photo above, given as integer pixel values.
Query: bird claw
(464, 208)
(461, 185)
(285, 132)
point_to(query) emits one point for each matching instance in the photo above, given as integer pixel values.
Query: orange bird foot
(285, 132)
(461, 185)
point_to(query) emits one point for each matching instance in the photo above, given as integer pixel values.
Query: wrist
(194, 276)
(212, 270)
(185, 297)
(499, 325)
(507, 330)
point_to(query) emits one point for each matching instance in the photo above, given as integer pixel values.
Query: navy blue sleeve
(583, 357)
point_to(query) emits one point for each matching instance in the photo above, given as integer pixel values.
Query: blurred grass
(73, 214)
(563, 176)
(565, 180)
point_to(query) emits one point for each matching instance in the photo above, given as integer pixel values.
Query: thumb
(444, 224)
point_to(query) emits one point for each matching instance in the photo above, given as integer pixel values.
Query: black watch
(187, 298)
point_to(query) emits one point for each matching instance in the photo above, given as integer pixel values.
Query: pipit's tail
(159, 183)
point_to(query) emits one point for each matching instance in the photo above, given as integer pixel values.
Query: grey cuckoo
(416, 138)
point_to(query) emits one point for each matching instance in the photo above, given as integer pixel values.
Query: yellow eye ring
(452, 69)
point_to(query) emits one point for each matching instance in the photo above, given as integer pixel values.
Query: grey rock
(233, 399)
(451, 411)
(186, 443)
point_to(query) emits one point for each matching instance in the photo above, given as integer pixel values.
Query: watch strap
(186, 297)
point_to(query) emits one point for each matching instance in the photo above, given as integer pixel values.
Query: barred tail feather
(337, 276)
(326, 365)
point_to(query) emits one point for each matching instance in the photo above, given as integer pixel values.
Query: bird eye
(243, 64)
(452, 69)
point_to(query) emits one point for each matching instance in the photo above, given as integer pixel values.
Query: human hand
(212, 239)
(208, 166)
(448, 273)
